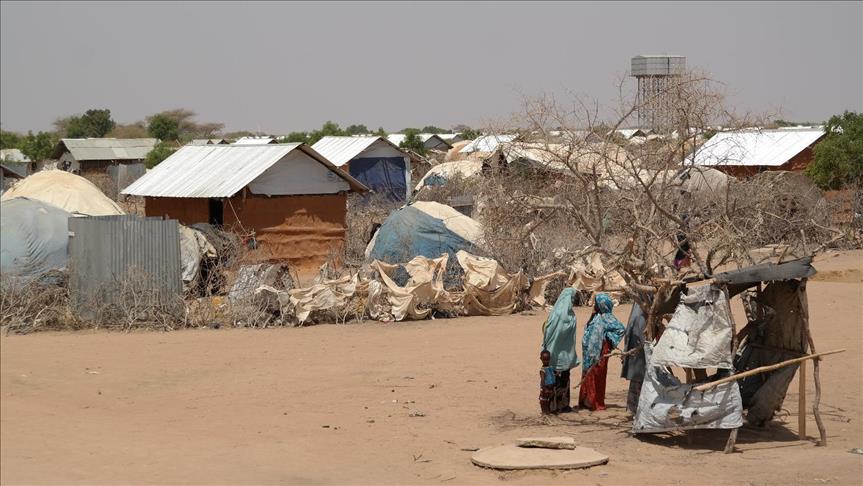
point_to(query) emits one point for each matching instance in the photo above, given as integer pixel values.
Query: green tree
(92, 124)
(328, 129)
(839, 156)
(39, 146)
(9, 139)
(469, 133)
(413, 141)
(357, 130)
(129, 130)
(433, 129)
(164, 127)
(381, 132)
(160, 152)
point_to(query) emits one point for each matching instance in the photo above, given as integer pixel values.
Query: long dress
(601, 335)
(559, 340)
(634, 364)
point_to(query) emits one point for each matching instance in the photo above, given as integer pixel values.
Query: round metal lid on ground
(515, 457)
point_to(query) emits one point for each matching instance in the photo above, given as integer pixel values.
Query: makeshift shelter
(745, 153)
(374, 161)
(34, 238)
(424, 228)
(286, 198)
(430, 141)
(486, 144)
(110, 163)
(8, 177)
(66, 191)
(439, 174)
(702, 335)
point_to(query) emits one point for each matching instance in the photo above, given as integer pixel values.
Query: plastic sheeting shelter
(66, 191)
(426, 229)
(666, 404)
(34, 238)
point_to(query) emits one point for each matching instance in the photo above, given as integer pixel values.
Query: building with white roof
(374, 161)
(744, 153)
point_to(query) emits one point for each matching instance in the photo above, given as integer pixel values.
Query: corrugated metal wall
(109, 256)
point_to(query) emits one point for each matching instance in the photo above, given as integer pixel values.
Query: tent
(424, 228)
(34, 238)
(440, 174)
(66, 191)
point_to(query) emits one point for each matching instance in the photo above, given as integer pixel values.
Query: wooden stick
(804, 303)
(732, 439)
(762, 369)
(801, 401)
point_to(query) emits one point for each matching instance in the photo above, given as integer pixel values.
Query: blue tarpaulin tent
(424, 228)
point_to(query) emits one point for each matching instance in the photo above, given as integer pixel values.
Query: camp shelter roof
(340, 150)
(66, 191)
(398, 138)
(486, 143)
(208, 141)
(10, 172)
(34, 237)
(105, 148)
(220, 170)
(755, 147)
(13, 155)
(254, 141)
(447, 170)
(767, 272)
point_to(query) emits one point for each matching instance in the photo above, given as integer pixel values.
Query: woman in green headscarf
(559, 340)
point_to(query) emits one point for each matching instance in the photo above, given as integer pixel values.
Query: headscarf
(602, 326)
(559, 332)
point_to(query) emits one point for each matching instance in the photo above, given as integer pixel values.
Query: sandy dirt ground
(333, 405)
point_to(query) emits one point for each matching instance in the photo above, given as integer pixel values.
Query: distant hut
(374, 161)
(744, 153)
(110, 163)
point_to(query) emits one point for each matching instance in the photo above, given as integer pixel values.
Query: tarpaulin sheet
(66, 191)
(383, 175)
(34, 238)
(666, 404)
(328, 295)
(193, 247)
(426, 229)
(699, 333)
(423, 292)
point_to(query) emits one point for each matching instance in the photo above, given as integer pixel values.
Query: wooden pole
(804, 307)
(801, 401)
(732, 439)
(762, 369)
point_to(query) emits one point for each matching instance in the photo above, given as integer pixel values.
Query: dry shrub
(37, 305)
(365, 213)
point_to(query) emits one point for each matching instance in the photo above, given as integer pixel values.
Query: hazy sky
(279, 67)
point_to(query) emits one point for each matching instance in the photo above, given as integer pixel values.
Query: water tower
(655, 74)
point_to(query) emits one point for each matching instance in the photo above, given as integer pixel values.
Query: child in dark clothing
(546, 383)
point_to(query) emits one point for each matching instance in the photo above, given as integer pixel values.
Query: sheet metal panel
(755, 147)
(108, 148)
(109, 256)
(216, 171)
(340, 150)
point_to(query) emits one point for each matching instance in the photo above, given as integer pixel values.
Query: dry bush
(365, 213)
(37, 305)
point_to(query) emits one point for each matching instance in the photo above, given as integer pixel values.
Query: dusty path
(332, 404)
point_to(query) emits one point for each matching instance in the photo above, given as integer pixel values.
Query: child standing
(546, 382)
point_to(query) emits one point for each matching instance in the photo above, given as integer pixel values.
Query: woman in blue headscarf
(602, 334)
(559, 340)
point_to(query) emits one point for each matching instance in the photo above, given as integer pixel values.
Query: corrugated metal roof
(106, 148)
(208, 141)
(254, 141)
(486, 143)
(398, 138)
(219, 170)
(755, 147)
(340, 150)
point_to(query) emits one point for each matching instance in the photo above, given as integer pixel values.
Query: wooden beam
(801, 401)
(762, 369)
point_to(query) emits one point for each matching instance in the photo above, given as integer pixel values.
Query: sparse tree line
(176, 127)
